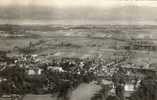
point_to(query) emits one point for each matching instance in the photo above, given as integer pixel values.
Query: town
(30, 74)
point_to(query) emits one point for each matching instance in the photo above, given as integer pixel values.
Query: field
(78, 40)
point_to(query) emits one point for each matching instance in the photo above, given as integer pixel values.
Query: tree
(147, 90)
(15, 82)
(27, 50)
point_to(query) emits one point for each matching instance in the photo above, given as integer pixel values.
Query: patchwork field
(78, 41)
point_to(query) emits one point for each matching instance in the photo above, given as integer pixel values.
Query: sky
(70, 3)
(78, 11)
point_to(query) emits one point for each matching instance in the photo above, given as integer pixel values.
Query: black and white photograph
(78, 50)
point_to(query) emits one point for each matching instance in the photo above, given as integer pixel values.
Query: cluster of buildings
(34, 66)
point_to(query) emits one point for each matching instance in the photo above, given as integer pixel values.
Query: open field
(77, 41)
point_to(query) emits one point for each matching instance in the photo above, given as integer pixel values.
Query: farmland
(77, 40)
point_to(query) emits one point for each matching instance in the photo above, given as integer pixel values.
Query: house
(34, 71)
(55, 68)
(129, 87)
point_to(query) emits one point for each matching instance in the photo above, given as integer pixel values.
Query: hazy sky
(67, 11)
(74, 3)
